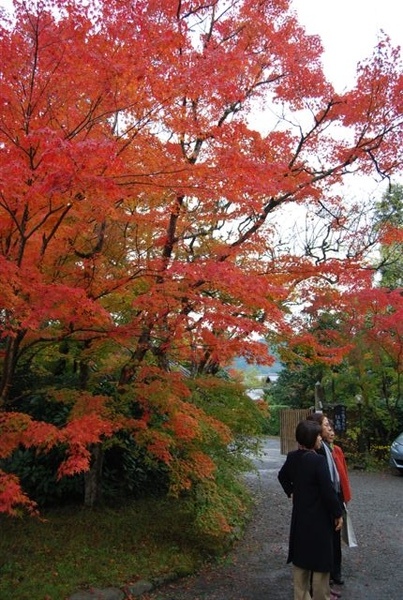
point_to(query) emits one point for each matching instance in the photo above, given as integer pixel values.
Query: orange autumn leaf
(139, 196)
(12, 498)
(184, 427)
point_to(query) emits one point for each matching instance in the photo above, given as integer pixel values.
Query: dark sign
(340, 418)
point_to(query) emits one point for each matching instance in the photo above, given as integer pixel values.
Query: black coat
(305, 475)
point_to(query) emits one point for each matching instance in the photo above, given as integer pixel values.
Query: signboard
(340, 418)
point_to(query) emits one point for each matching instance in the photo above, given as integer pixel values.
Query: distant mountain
(240, 364)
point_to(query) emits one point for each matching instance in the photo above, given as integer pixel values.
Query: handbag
(347, 531)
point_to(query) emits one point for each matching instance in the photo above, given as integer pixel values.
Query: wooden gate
(289, 419)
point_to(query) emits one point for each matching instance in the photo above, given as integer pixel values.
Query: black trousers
(336, 570)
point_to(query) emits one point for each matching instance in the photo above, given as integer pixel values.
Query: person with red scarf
(341, 465)
(339, 475)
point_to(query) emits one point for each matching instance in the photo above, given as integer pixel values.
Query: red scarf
(341, 466)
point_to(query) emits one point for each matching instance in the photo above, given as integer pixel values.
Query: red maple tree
(136, 198)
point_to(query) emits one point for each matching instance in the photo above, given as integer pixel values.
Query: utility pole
(319, 397)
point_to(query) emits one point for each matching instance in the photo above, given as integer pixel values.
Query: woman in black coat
(326, 450)
(316, 513)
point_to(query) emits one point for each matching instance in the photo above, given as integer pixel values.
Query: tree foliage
(137, 202)
(389, 220)
(361, 350)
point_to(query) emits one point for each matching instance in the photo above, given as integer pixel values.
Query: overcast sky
(349, 31)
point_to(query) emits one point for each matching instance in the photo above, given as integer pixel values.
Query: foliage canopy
(137, 208)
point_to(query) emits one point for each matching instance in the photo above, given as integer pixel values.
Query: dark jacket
(305, 475)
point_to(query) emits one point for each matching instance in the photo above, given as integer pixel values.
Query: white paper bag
(347, 531)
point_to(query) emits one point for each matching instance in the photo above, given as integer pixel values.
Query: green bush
(273, 420)
(129, 472)
(38, 477)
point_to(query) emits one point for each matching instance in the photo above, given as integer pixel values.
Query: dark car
(396, 454)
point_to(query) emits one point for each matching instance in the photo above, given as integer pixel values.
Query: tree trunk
(93, 477)
(9, 365)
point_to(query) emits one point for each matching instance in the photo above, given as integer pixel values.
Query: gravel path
(256, 569)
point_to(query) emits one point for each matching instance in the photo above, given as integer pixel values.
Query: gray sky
(349, 31)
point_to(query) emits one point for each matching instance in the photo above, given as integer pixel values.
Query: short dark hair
(317, 417)
(307, 432)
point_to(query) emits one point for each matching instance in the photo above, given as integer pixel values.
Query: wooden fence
(289, 419)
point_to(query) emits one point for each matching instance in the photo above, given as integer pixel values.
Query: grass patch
(75, 548)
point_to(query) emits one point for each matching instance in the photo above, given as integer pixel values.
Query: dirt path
(256, 569)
